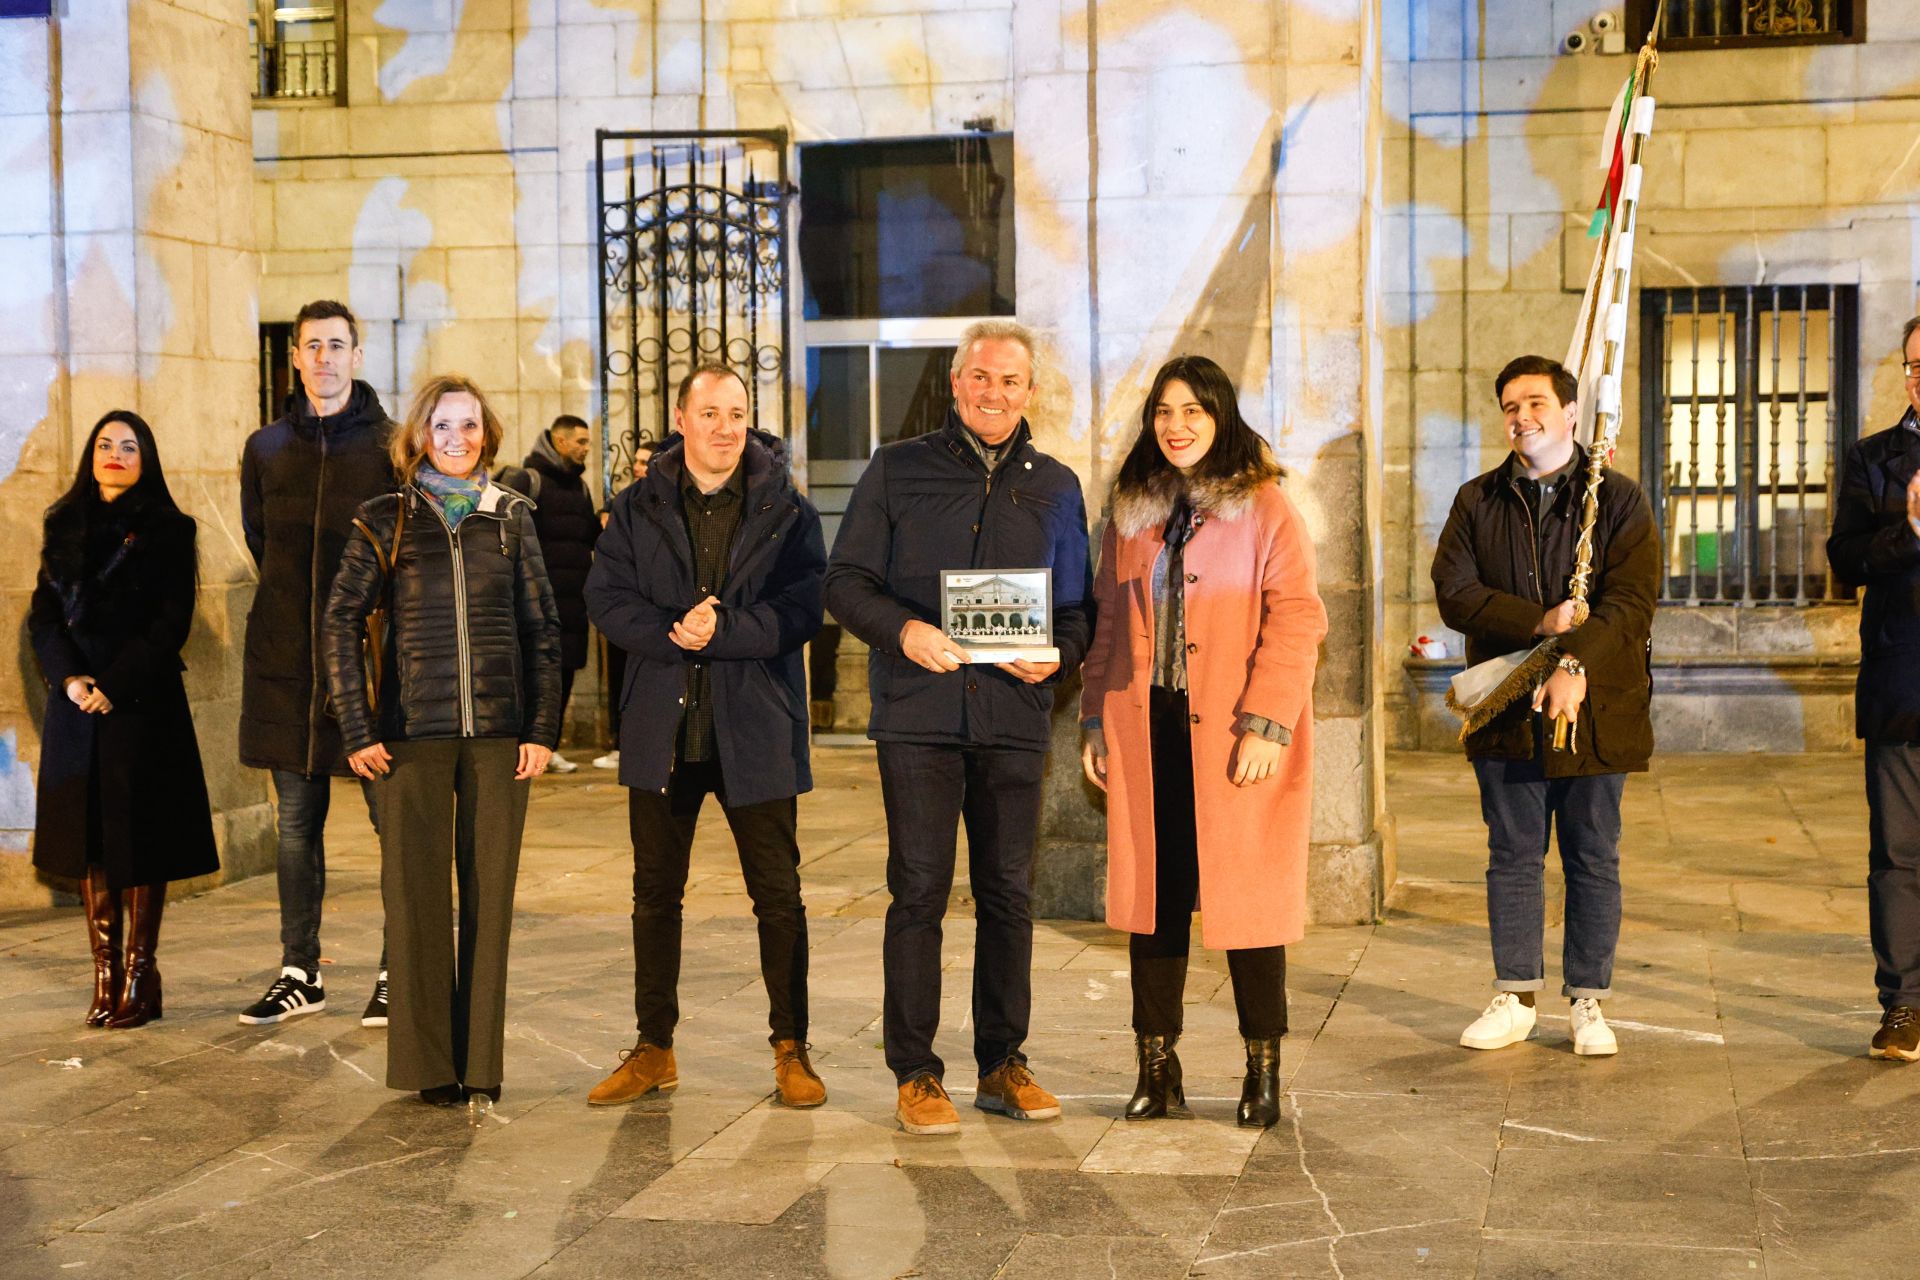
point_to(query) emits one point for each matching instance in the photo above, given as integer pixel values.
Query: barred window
(1749, 406)
(1735, 24)
(279, 380)
(297, 50)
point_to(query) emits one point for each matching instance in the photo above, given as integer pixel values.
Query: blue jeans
(301, 819)
(1522, 808)
(928, 791)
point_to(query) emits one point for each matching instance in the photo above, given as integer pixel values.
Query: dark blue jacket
(642, 582)
(1873, 546)
(928, 504)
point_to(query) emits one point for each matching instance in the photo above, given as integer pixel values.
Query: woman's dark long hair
(66, 519)
(1237, 448)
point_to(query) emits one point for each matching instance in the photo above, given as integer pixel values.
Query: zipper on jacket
(1533, 544)
(315, 707)
(461, 648)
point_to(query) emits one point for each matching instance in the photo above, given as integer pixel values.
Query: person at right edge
(1876, 545)
(1500, 578)
(1207, 603)
(958, 741)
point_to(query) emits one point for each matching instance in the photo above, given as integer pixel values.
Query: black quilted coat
(474, 641)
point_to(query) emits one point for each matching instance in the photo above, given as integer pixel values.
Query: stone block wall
(1788, 165)
(128, 280)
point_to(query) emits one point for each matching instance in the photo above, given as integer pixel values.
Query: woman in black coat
(122, 804)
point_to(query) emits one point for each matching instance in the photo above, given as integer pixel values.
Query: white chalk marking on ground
(1326, 1205)
(1330, 1240)
(355, 1067)
(65, 1064)
(1843, 1155)
(1096, 989)
(275, 1046)
(526, 1034)
(1704, 1037)
(1554, 1133)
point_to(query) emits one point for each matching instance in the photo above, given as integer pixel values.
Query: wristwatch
(1572, 665)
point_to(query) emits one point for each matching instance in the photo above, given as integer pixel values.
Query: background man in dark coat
(961, 740)
(1876, 545)
(709, 577)
(554, 476)
(301, 479)
(1500, 578)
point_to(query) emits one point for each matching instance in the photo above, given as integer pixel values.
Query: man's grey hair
(996, 331)
(1906, 332)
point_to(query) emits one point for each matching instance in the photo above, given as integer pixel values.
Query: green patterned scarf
(456, 497)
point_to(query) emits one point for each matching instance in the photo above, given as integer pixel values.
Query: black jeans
(1893, 870)
(300, 815)
(1522, 809)
(662, 829)
(1159, 959)
(928, 790)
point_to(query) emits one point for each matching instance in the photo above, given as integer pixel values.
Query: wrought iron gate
(693, 269)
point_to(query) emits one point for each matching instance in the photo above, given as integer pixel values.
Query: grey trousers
(449, 801)
(1893, 870)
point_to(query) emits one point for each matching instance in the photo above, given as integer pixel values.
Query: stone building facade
(1359, 207)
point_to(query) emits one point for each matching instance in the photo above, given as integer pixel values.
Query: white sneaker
(1592, 1037)
(1505, 1022)
(557, 763)
(611, 760)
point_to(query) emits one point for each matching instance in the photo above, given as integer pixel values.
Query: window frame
(1748, 304)
(1850, 23)
(263, 12)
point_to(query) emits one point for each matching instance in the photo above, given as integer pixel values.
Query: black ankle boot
(1158, 1094)
(1260, 1095)
(443, 1095)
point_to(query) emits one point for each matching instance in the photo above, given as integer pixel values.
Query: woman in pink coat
(1198, 714)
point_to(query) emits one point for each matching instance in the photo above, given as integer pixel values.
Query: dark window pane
(914, 390)
(922, 227)
(839, 404)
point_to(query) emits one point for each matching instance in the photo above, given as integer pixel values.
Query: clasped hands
(83, 693)
(928, 646)
(696, 626)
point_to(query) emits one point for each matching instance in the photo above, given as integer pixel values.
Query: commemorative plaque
(999, 615)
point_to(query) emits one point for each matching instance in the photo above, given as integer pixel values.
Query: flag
(1613, 158)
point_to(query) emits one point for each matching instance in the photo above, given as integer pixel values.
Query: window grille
(297, 51)
(1733, 24)
(1749, 404)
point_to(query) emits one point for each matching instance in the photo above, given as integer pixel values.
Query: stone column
(1224, 202)
(128, 280)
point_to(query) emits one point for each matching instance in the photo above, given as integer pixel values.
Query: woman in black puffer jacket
(468, 710)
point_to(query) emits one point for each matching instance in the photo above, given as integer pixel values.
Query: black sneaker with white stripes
(291, 995)
(376, 1014)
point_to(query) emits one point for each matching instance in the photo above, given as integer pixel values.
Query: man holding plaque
(959, 733)
(1500, 578)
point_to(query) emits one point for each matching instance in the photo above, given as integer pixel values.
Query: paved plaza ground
(1741, 1131)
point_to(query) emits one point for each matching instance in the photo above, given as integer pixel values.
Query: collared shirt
(1539, 495)
(712, 521)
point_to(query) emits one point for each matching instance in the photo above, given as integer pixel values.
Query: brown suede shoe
(799, 1084)
(643, 1069)
(925, 1107)
(1011, 1090)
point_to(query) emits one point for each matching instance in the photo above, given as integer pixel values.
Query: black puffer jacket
(475, 638)
(1873, 547)
(301, 480)
(563, 513)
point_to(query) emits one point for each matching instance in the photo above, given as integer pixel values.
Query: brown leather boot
(102, 908)
(925, 1107)
(799, 1084)
(645, 1068)
(1011, 1090)
(139, 1001)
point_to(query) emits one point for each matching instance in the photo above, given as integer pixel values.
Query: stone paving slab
(1741, 1130)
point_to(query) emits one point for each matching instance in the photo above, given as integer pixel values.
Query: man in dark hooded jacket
(554, 476)
(301, 479)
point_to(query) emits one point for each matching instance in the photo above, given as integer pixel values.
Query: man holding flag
(1501, 578)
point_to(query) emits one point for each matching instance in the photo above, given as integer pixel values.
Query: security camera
(1605, 22)
(1576, 42)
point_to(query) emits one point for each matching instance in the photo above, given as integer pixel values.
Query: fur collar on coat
(1138, 508)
